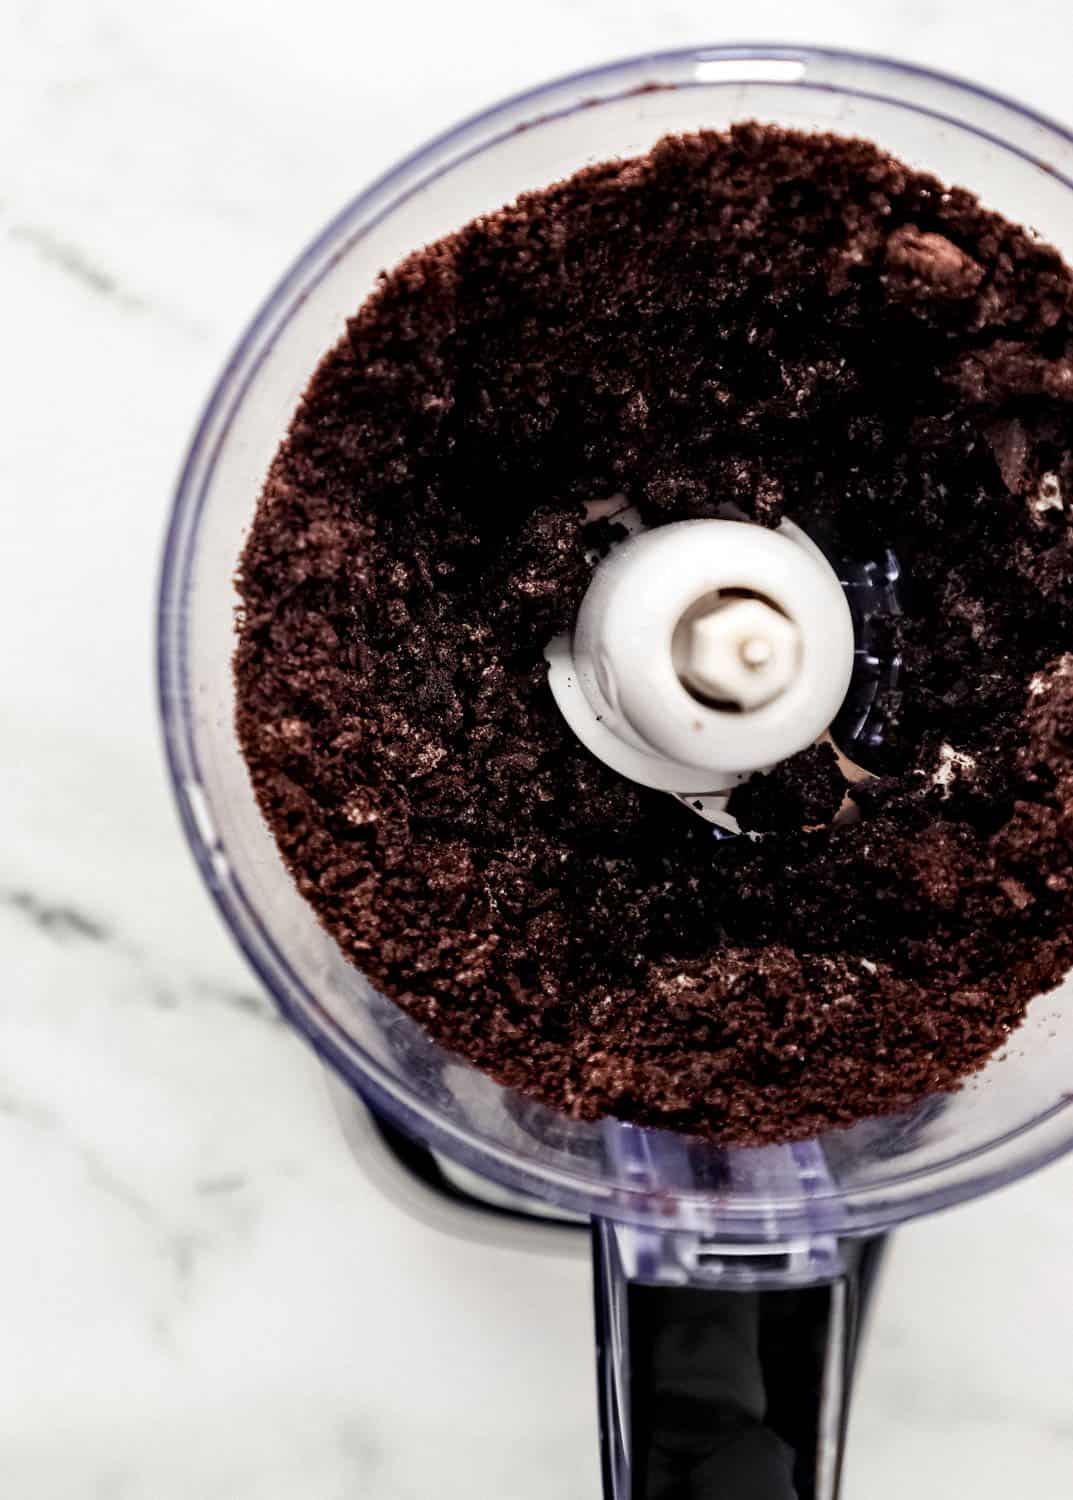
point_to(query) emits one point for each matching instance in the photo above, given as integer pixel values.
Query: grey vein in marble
(73, 261)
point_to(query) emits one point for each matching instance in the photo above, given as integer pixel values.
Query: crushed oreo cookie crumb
(794, 325)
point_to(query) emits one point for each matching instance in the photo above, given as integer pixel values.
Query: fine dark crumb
(793, 325)
(803, 791)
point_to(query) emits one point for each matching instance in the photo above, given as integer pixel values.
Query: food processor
(730, 1284)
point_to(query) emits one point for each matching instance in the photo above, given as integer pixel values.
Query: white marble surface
(201, 1295)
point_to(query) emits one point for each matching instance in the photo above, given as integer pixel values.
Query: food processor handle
(724, 1377)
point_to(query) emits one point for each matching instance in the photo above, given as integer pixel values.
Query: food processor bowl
(670, 1211)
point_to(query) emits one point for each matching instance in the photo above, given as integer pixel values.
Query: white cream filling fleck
(951, 763)
(1048, 496)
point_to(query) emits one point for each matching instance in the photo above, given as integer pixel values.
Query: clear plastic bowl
(1012, 1117)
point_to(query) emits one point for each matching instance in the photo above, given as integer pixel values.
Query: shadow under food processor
(729, 1283)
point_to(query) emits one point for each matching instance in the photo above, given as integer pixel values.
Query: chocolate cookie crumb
(803, 791)
(930, 265)
(790, 325)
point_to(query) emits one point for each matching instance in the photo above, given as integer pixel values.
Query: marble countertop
(201, 1294)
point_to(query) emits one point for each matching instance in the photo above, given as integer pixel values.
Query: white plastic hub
(704, 651)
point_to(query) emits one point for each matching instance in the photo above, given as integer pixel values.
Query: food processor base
(447, 1196)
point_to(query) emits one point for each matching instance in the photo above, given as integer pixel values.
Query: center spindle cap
(736, 652)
